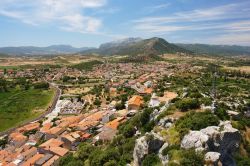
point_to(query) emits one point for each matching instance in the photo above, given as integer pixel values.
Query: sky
(88, 23)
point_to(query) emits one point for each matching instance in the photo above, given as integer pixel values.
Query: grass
(18, 106)
(173, 136)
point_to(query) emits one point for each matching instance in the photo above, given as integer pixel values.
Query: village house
(7, 157)
(53, 146)
(109, 130)
(71, 140)
(28, 154)
(32, 160)
(135, 102)
(52, 161)
(17, 139)
(45, 128)
(29, 127)
(54, 132)
(106, 135)
(43, 160)
(154, 101)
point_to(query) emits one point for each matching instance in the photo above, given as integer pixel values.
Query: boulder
(212, 158)
(195, 139)
(147, 144)
(166, 122)
(168, 125)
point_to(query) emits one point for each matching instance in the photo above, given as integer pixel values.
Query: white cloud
(198, 19)
(152, 9)
(228, 24)
(66, 14)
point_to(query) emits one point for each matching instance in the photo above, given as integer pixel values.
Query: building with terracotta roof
(71, 140)
(54, 132)
(32, 160)
(135, 102)
(28, 154)
(46, 127)
(147, 91)
(86, 124)
(30, 127)
(97, 116)
(57, 151)
(43, 160)
(7, 157)
(85, 136)
(115, 123)
(17, 139)
(65, 122)
(53, 146)
(51, 143)
(51, 161)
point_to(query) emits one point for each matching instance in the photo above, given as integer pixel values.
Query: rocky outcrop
(166, 122)
(195, 139)
(212, 158)
(223, 139)
(164, 158)
(150, 143)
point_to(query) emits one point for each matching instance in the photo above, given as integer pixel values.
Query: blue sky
(91, 22)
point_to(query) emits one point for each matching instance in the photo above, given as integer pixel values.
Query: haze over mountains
(131, 46)
(32, 50)
(227, 50)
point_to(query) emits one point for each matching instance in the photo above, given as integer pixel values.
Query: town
(91, 106)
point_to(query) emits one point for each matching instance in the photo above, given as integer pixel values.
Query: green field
(18, 106)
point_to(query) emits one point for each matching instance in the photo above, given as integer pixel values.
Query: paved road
(50, 109)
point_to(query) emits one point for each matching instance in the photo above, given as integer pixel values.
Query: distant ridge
(31, 50)
(131, 47)
(137, 46)
(225, 50)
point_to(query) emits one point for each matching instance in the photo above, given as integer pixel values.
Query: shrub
(128, 131)
(151, 160)
(84, 150)
(120, 106)
(190, 157)
(187, 103)
(222, 114)
(196, 121)
(169, 148)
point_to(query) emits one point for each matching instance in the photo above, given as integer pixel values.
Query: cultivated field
(18, 106)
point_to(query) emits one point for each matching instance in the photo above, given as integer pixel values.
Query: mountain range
(137, 46)
(224, 50)
(31, 50)
(131, 46)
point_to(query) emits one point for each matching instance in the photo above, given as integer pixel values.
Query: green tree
(187, 103)
(84, 150)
